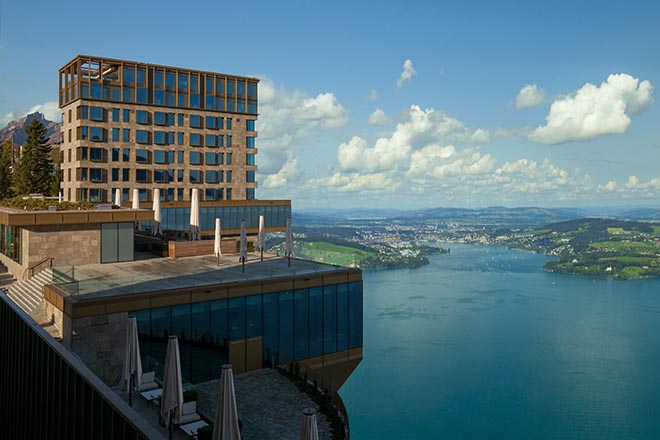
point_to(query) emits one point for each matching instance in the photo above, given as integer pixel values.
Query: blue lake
(482, 343)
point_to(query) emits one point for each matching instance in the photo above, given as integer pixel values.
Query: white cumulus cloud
(438, 162)
(373, 95)
(595, 111)
(284, 176)
(529, 96)
(378, 118)
(609, 186)
(406, 74)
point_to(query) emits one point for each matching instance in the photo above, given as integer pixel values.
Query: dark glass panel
(355, 314)
(237, 318)
(342, 317)
(270, 336)
(329, 319)
(253, 315)
(315, 321)
(286, 327)
(301, 324)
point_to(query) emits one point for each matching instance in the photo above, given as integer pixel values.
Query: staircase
(28, 294)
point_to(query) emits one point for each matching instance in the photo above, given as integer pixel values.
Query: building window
(160, 156)
(211, 122)
(179, 176)
(249, 159)
(220, 123)
(142, 117)
(249, 192)
(96, 175)
(141, 156)
(115, 115)
(210, 176)
(228, 158)
(126, 154)
(142, 175)
(126, 115)
(195, 158)
(221, 158)
(220, 141)
(179, 157)
(171, 178)
(161, 176)
(228, 124)
(125, 176)
(96, 114)
(228, 176)
(179, 138)
(228, 141)
(249, 124)
(115, 154)
(210, 159)
(249, 176)
(97, 154)
(160, 137)
(96, 134)
(159, 97)
(81, 154)
(249, 142)
(179, 120)
(142, 136)
(209, 194)
(195, 121)
(179, 193)
(126, 135)
(195, 176)
(195, 139)
(160, 118)
(115, 174)
(210, 140)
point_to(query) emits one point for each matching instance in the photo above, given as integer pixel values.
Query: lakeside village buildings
(126, 126)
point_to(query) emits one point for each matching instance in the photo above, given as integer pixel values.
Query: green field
(627, 247)
(629, 259)
(324, 252)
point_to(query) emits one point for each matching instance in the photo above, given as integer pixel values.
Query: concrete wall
(101, 341)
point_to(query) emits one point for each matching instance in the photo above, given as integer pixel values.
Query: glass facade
(98, 78)
(10, 242)
(178, 219)
(294, 325)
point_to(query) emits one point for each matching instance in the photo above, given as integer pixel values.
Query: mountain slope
(15, 130)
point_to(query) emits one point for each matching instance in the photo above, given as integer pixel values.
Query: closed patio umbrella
(289, 240)
(308, 427)
(194, 215)
(217, 244)
(262, 236)
(157, 229)
(132, 363)
(118, 197)
(136, 205)
(226, 415)
(172, 397)
(243, 256)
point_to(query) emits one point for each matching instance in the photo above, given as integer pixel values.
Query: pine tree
(6, 178)
(35, 170)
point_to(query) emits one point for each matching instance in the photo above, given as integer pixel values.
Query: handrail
(37, 264)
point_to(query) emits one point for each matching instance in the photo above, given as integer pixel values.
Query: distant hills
(15, 130)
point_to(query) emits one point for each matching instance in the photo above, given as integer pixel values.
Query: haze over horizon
(460, 104)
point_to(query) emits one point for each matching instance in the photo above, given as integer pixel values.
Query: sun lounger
(188, 413)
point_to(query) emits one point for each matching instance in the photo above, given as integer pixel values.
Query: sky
(394, 104)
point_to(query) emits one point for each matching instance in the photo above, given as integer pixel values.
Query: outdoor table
(191, 428)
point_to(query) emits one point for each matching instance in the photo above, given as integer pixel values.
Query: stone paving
(269, 406)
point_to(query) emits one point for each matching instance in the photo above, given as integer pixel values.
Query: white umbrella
(132, 363)
(172, 397)
(194, 215)
(243, 256)
(289, 240)
(157, 229)
(262, 236)
(118, 197)
(226, 415)
(308, 428)
(136, 205)
(217, 244)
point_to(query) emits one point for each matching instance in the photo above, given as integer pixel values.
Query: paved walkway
(269, 406)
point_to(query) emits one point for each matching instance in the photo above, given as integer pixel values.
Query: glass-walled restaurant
(294, 325)
(10, 242)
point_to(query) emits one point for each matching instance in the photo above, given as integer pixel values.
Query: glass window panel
(142, 117)
(329, 319)
(195, 176)
(315, 321)
(141, 96)
(211, 159)
(159, 97)
(237, 318)
(201, 326)
(211, 122)
(301, 324)
(355, 314)
(270, 314)
(95, 113)
(160, 323)
(342, 317)
(129, 76)
(253, 316)
(286, 327)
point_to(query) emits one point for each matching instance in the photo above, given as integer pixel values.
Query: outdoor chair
(147, 382)
(188, 413)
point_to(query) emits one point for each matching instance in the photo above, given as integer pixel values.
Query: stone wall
(100, 341)
(74, 244)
